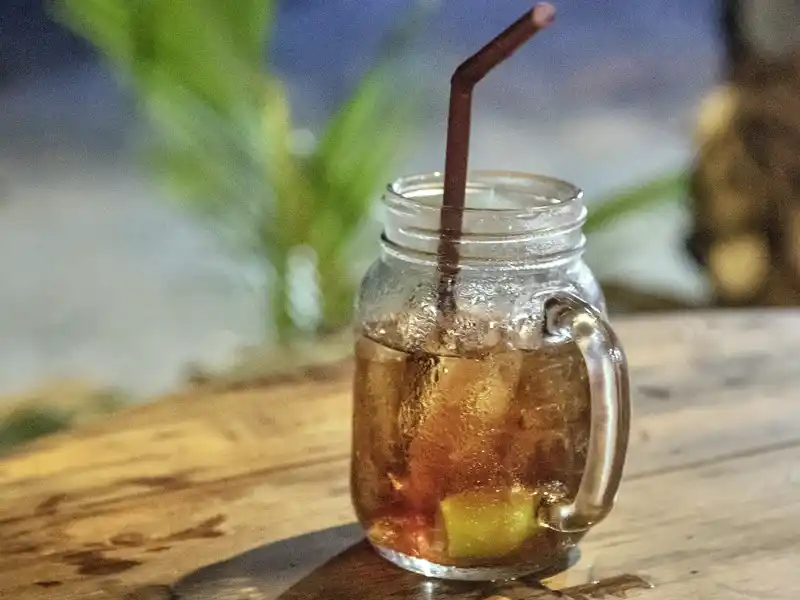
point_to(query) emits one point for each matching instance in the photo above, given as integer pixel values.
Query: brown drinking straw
(469, 73)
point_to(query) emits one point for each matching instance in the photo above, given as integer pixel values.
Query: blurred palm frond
(223, 132)
(671, 187)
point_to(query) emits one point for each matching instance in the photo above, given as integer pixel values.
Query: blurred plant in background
(54, 406)
(58, 406)
(605, 213)
(224, 140)
(669, 187)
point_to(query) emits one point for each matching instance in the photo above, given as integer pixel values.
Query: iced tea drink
(455, 449)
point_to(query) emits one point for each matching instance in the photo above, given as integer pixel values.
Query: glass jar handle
(568, 316)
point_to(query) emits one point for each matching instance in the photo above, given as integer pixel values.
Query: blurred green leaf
(108, 24)
(292, 194)
(28, 423)
(213, 48)
(356, 153)
(210, 158)
(364, 138)
(250, 20)
(194, 46)
(667, 188)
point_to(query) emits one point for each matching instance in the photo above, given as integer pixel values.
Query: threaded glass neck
(511, 220)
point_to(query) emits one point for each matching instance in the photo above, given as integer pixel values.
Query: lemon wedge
(488, 524)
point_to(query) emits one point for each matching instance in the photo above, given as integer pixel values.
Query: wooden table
(141, 504)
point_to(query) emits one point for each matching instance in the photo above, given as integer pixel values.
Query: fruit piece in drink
(488, 524)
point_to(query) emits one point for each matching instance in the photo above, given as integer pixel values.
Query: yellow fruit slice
(488, 524)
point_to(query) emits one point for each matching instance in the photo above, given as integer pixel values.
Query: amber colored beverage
(452, 455)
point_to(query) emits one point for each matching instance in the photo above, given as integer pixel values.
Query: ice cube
(381, 374)
(552, 408)
(379, 381)
(531, 433)
(461, 406)
(472, 333)
(407, 330)
(527, 331)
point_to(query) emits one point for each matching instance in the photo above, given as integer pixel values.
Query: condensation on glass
(487, 443)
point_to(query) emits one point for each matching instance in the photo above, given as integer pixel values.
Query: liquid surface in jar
(452, 455)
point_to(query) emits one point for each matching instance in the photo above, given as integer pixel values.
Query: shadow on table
(268, 571)
(334, 564)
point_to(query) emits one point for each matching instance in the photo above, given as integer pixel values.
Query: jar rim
(545, 193)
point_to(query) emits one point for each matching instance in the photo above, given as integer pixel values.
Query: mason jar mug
(488, 440)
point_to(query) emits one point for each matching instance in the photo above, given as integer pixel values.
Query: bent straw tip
(543, 14)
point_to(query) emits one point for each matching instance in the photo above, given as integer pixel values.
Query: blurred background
(187, 186)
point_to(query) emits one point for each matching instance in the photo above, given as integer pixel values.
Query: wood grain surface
(244, 494)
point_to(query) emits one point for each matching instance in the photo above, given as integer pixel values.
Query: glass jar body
(466, 424)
